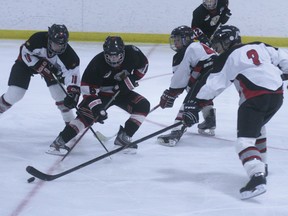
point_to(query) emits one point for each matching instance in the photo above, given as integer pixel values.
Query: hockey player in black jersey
(191, 61)
(46, 53)
(255, 69)
(209, 15)
(117, 68)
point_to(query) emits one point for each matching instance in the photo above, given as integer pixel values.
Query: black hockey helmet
(114, 50)
(181, 37)
(210, 4)
(58, 36)
(225, 37)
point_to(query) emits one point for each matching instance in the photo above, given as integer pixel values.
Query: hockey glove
(45, 68)
(168, 97)
(225, 16)
(98, 110)
(284, 77)
(190, 114)
(121, 75)
(126, 85)
(72, 98)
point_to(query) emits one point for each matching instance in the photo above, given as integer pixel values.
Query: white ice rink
(199, 177)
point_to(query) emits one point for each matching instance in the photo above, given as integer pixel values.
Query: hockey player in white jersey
(191, 61)
(46, 53)
(255, 69)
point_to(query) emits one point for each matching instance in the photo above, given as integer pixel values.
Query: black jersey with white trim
(207, 20)
(99, 76)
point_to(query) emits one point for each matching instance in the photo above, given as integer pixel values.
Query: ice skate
(207, 127)
(255, 187)
(171, 139)
(123, 139)
(58, 147)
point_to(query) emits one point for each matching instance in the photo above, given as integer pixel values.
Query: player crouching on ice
(117, 68)
(192, 62)
(255, 69)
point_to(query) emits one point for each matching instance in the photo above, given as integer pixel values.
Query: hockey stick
(104, 138)
(47, 177)
(154, 108)
(90, 127)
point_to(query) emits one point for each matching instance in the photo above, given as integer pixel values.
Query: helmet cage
(225, 37)
(177, 42)
(114, 51)
(180, 37)
(210, 4)
(114, 60)
(58, 36)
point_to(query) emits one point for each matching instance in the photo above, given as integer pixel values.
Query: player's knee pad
(66, 113)
(57, 92)
(140, 110)
(247, 151)
(14, 94)
(142, 105)
(244, 143)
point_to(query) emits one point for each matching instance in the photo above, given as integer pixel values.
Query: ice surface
(200, 176)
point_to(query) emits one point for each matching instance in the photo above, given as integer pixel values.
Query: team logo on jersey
(27, 57)
(207, 18)
(214, 20)
(107, 74)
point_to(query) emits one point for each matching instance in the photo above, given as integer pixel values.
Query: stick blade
(102, 137)
(38, 174)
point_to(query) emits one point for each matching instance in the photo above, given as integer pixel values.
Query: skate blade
(206, 132)
(130, 151)
(171, 142)
(53, 151)
(260, 189)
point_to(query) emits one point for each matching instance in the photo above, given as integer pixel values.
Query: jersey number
(74, 79)
(252, 54)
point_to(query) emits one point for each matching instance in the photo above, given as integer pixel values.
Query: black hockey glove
(225, 16)
(71, 100)
(45, 68)
(98, 110)
(284, 77)
(190, 114)
(168, 97)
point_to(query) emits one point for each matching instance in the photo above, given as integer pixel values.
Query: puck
(30, 179)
